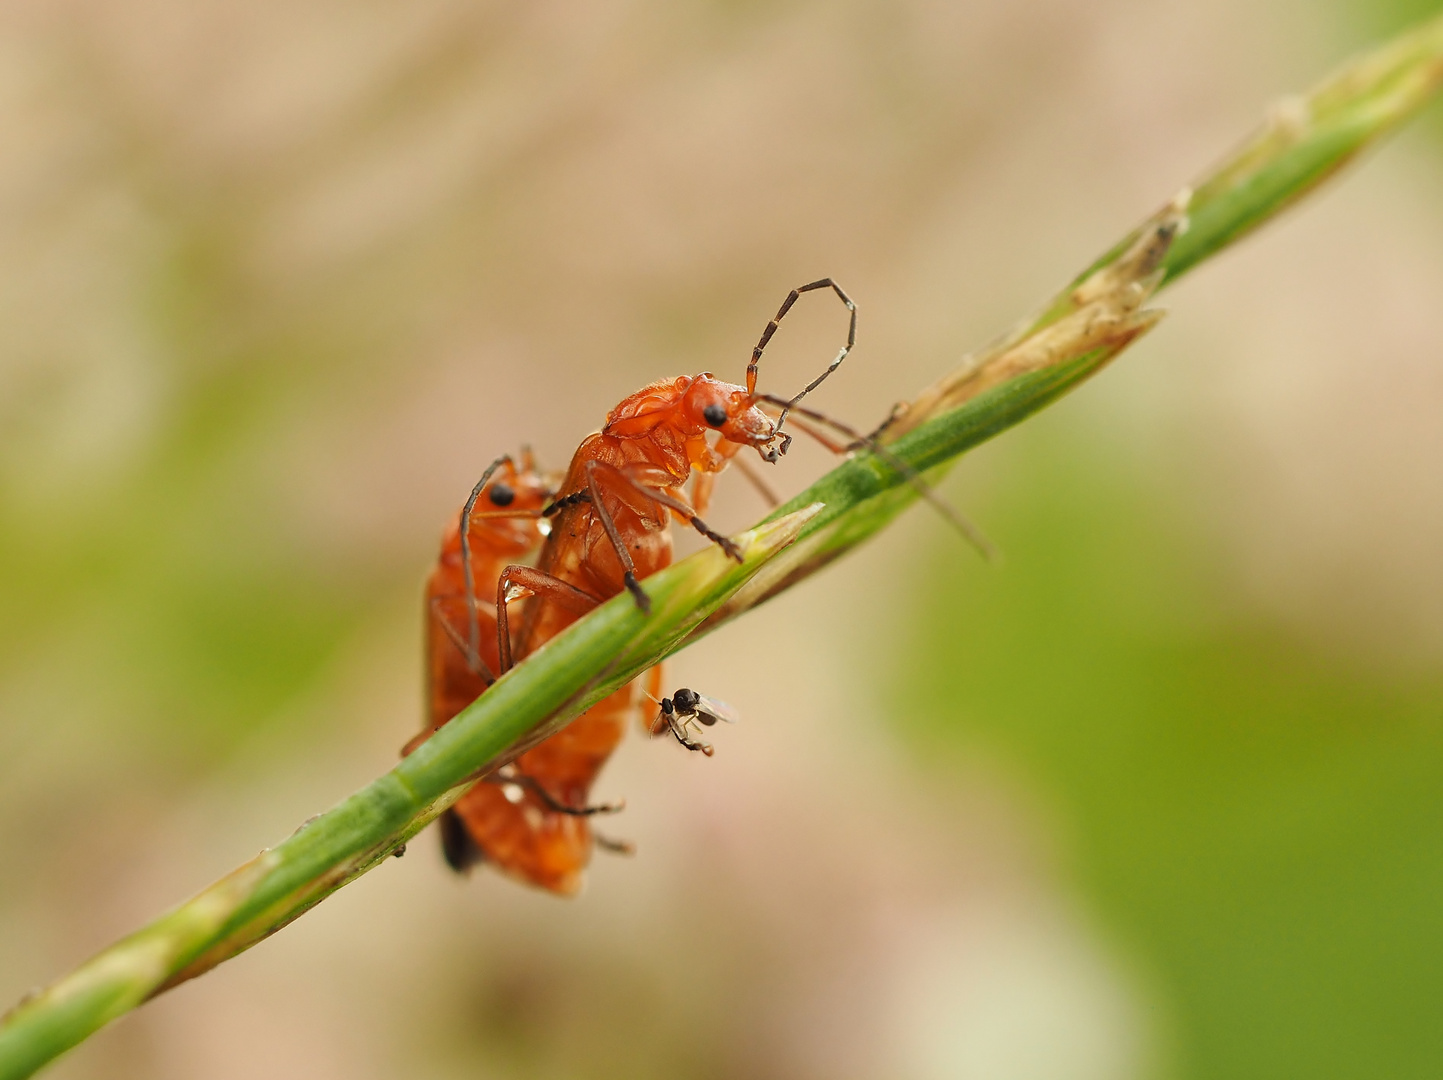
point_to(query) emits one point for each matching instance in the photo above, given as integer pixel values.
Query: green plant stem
(1099, 315)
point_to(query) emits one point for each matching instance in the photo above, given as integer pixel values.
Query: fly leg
(668, 720)
(678, 728)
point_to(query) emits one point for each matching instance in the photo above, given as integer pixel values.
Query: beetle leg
(666, 499)
(755, 479)
(615, 847)
(614, 535)
(509, 775)
(538, 583)
(468, 652)
(970, 532)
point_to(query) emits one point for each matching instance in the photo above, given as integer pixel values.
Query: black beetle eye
(715, 415)
(501, 495)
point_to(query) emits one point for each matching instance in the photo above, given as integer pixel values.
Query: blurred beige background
(279, 279)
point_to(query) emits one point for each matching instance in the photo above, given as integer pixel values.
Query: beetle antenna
(788, 404)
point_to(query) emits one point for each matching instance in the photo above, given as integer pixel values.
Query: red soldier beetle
(528, 818)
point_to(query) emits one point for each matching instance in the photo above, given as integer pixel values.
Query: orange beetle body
(637, 464)
(512, 828)
(452, 681)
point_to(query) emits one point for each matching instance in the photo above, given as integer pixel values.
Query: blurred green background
(1156, 797)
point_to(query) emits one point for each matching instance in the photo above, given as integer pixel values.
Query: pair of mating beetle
(600, 532)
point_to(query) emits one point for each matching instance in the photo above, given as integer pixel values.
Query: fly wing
(709, 710)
